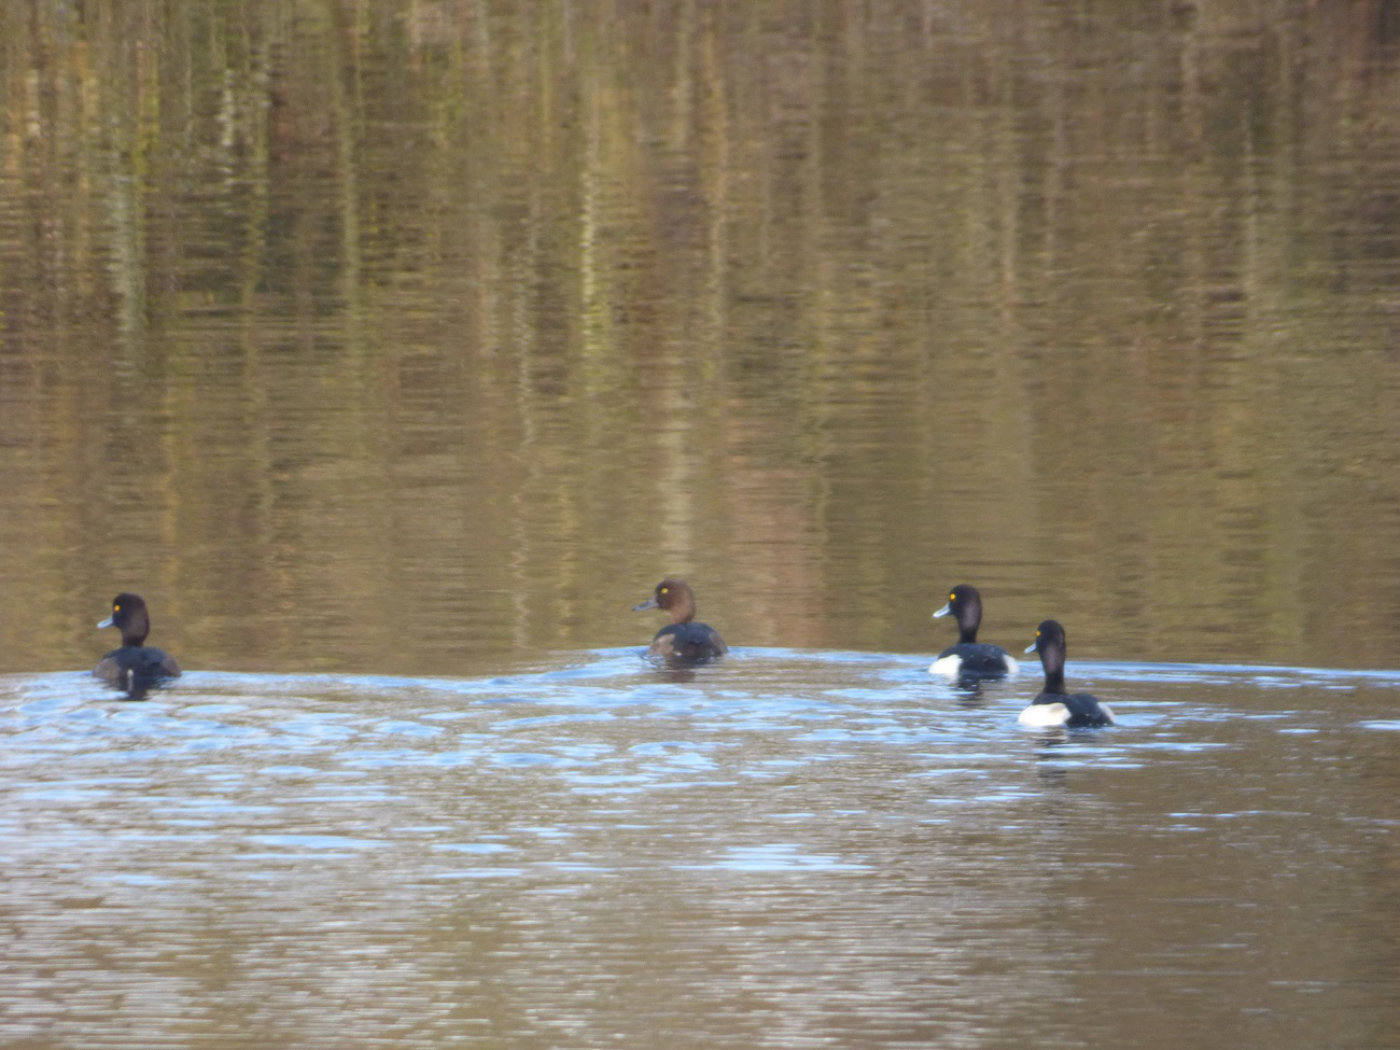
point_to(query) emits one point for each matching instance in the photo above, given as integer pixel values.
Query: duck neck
(1054, 663)
(969, 618)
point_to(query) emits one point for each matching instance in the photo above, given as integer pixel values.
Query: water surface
(394, 351)
(418, 340)
(791, 849)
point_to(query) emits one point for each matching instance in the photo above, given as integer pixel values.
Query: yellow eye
(665, 590)
(952, 597)
(116, 608)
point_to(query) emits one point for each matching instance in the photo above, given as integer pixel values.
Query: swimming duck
(683, 640)
(135, 667)
(1055, 707)
(970, 658)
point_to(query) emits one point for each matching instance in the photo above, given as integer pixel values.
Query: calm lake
(393, 352)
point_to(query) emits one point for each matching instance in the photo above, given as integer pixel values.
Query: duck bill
(650, 603)
(944, 611)
(105, 623)
(1030, 648)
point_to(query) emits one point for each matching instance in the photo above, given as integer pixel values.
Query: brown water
(394, 351)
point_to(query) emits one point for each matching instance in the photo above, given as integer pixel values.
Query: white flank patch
(947, 666)
(1044, 716)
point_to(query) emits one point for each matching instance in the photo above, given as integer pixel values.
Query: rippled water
(369, 339)
(787, 849)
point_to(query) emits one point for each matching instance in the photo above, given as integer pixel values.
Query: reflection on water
(391, 351)
(416, 340)
(790, 849)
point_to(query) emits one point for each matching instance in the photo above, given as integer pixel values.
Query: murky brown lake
(393, 352)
